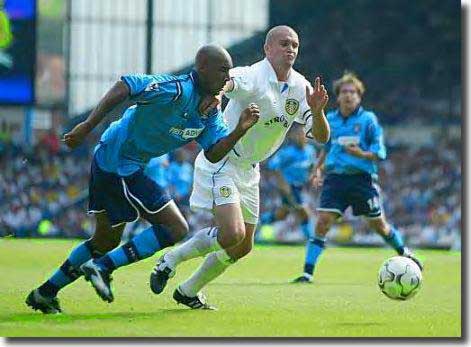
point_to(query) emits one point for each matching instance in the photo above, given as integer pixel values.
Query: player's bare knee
(232, 236)
(180, 230)
(106, 238)
(105, 244)
(102, 245)
(380, 226)
(238, 234)
(323, 225)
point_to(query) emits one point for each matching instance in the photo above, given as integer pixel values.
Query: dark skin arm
(116, 95)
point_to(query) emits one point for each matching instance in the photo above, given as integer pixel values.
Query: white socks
(213, 266)
(202, 243)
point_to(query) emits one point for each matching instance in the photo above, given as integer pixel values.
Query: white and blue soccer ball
(399, 278)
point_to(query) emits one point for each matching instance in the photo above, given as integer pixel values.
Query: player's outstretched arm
(116, 95)
(317, 101)
(248, 118)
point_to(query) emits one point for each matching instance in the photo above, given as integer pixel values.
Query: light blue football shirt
(165, 116)
(181, 177)
(361, 128)
(157, 170)
(294, 163)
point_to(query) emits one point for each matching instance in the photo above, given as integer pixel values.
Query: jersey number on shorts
(373, 203)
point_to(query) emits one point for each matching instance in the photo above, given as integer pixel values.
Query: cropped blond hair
(349, 78)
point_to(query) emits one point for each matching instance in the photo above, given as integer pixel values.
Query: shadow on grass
(364, 324)
(67, 318)
(241, 284)
(285, 283)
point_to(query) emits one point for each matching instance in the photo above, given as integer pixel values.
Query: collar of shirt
(272, 74)
(195, 79)
(355, 113)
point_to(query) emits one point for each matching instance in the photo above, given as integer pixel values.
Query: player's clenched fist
(249, 117)
(76, 136)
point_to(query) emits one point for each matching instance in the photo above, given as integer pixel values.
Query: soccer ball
(399, 278)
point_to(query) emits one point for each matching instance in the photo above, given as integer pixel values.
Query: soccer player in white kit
(230, 187)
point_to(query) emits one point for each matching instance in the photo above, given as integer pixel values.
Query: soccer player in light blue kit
(292, 166)
(180, 177)
(165, 115)
(157, 170)
(350, 166)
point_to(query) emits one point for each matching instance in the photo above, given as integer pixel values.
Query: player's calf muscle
(239, 251)
(105, 243)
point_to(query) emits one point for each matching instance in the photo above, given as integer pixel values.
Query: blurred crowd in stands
(43, 192)
(421, 190)
(38, 184)
(43, 187)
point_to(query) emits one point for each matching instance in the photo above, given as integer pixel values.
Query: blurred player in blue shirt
(350, 164)
(161, 114)
(292, 166)
(157, 170)
(181, 177)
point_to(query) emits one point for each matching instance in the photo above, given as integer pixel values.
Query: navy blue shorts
(124, 198)
(358, 191)
(296, 194)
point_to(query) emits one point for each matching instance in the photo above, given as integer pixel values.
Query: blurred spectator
(50, 141)
(44, 193)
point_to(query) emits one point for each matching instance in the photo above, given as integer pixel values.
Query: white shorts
(225, 182)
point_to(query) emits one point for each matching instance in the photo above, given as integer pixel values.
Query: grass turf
(254, 297)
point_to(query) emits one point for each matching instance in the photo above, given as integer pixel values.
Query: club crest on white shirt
(225, 191)
(291, 106)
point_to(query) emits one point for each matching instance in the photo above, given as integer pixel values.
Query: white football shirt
(280, 104)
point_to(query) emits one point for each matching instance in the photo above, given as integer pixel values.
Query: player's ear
(266, 48)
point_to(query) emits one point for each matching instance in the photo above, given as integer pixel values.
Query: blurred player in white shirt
(230, 188)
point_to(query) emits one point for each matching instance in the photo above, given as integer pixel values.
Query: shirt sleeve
(376, 139)
(304, 114)
(215, 130)
(243, 80)
(149, 89)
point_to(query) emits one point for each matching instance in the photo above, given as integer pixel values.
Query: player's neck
(282, 74)
(346, 112)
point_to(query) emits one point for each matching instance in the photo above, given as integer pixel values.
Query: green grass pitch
(254, 297)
